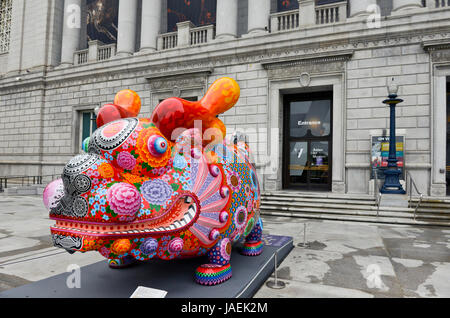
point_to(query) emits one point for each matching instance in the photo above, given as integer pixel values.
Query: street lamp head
(392, 88)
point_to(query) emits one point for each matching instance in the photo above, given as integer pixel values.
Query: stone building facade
(333, 51)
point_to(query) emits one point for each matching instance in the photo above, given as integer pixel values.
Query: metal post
(410, 191)
(276, 284)
(391, 182)
(304, 244)
(304, 234)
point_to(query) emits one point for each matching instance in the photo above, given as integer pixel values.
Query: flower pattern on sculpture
(106, 170)
(234, 181)
(126, 161)
(176, 245)
(144, 153)
(156, 191)
(149, 246)
(124, 199)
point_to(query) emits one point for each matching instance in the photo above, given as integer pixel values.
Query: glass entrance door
(307, 141)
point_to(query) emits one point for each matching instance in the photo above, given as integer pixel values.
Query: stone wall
(368, 74)
(39, 114)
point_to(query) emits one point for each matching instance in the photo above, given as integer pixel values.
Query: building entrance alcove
(307, 141)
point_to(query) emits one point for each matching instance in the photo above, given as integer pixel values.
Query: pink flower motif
(104, 251)
(124, 199)
(176, 245)
(126, 161)
(166, 178)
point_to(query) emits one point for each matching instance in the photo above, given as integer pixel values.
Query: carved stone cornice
(179, 80)
(307, 64)
(307, 59)
(436, 45)
(439, 50)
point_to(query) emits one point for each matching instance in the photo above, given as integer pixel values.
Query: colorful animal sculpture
(148, 189)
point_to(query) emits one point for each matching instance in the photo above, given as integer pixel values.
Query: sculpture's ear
(221, 96)
(176, 113)
(109, 113)
(127, 103)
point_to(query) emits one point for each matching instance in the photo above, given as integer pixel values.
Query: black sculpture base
(175, 277)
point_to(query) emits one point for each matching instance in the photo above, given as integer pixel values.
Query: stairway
(346, 207)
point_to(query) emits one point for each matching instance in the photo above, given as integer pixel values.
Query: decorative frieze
(304, 66)
(179, 81)
(439, 50)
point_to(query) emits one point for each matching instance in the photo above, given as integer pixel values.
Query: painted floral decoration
(126, 161)
(156, 191)
(234, 181)
(144, 153)
(106, 170)
(124, 199)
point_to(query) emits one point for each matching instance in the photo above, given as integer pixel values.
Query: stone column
(126, 37)
(71, 30)
(258, 16)
(399, 5)
(151, 24)
(307, 12)
(226, 19)
(358, 8)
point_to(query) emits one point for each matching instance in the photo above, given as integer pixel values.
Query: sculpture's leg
(122, 262)
(253, 245)
(218, 270)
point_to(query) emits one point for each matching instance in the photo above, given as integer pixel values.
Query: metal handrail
(24, 180)
(377, 193)
(411, 184)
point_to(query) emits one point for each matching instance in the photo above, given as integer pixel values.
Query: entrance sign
(380, 155)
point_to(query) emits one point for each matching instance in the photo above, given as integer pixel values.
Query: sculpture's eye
(157, 145)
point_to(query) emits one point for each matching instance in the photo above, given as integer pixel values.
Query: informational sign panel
(380, 155)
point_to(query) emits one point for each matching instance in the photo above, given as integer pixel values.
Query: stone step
(431, 200)
(384, 213)
(330, 195)
(358, 218)
(329, 204)
(432, 205)
(326, 205)
(25, 191)
(325, 200)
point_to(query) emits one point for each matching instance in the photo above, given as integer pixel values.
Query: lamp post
(392, 174)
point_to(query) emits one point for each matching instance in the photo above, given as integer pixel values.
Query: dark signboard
(380, 155)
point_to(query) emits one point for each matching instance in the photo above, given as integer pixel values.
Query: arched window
(102, 20)
(199, 12)
(5, 24)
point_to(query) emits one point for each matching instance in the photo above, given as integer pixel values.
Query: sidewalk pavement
(340, 259)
